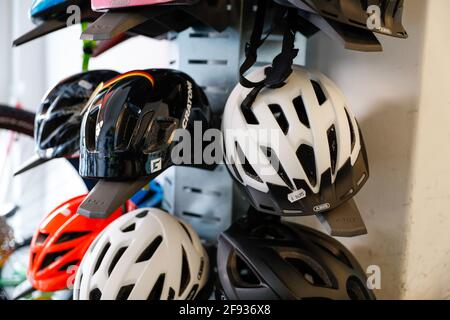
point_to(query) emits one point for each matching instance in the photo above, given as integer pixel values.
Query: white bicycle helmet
(146, 254)
(298, 149)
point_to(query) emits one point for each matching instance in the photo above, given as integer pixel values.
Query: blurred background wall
(400, 97)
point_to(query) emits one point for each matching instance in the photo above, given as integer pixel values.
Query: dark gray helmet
(262, 258)
(354, 13)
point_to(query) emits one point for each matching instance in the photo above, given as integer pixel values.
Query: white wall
(5, 51)
(428, 247)
(27, 66)
(401, 99)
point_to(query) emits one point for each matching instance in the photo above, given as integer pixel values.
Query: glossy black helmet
(261, 258)
(58, 119)
(128, 129)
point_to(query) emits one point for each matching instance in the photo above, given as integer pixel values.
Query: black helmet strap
(281, 66)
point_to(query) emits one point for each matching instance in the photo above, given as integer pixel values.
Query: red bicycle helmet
(61, 241)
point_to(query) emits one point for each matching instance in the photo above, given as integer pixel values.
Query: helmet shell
(60, 242)
(298, 150)
(146, 254)
(355, 13)
(128, 129)
(265, 259)
(58, 119)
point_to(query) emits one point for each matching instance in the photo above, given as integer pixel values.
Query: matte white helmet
(297, 150)
(146, 254)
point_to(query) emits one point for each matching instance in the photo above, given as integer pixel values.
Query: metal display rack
(208, 200)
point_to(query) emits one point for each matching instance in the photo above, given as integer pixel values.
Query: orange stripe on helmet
(130, 74)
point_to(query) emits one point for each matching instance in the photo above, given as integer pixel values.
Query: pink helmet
(156, 17)
(99, 5)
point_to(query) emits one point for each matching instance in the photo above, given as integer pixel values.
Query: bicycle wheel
(16, 120)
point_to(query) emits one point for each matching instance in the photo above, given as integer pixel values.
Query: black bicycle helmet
(262, 258)
(127, 133)
(128, 128)
(58, 119)
(355, 13)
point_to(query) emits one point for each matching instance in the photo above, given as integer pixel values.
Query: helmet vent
(148, 253)
(68, 133)
(185, 273)
(185, 229)
(236, 172)
(248, 169)
(52, 257)
(125, 292)
(157, 289)
(280, 117)
(329, 14)
(116, 259)
(95, 294)
(80, 281)
(193, 292)
(69, 236)
(269, 233)
(356, 290)
(267, 208)
(320, 95)
(142, 214)
(130, 228)
(68, 265)
(276, 163)
(243, 273)
(305, 155)
(301, 111)
(90, 128)
(49, 134)
(41, 237)
(332, 144)
(310, 270)
(101, 256)
(337, 254)
(125, 129)
(352, 130)
(249, 116)
(171, 295)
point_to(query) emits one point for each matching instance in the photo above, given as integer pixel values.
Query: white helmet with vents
(298, 149)
(146, 254)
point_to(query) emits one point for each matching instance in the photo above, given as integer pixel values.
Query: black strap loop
(257, 39)
(281, 67)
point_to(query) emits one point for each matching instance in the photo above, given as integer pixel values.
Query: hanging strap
(251, 47)
(281, 66)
